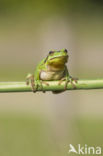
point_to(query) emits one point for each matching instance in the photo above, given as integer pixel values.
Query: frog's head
(57, 59)
(58, 56)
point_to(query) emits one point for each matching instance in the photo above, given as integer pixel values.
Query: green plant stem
(53, 86)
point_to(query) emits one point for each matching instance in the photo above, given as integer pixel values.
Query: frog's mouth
(60, 59)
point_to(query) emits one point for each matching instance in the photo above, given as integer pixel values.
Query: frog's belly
(50, 75)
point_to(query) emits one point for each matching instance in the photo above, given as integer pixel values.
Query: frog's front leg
(34, 83)
(68, 79)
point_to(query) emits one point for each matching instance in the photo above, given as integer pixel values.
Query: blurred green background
(45, 124)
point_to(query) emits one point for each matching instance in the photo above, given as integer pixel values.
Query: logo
(85, 149)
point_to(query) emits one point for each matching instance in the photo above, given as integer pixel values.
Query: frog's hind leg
(73, 80)
(30, 78)
(66, 78)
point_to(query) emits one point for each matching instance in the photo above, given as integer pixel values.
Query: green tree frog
(51, 68)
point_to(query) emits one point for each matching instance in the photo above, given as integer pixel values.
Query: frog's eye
(51, 52)
(65, 50)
